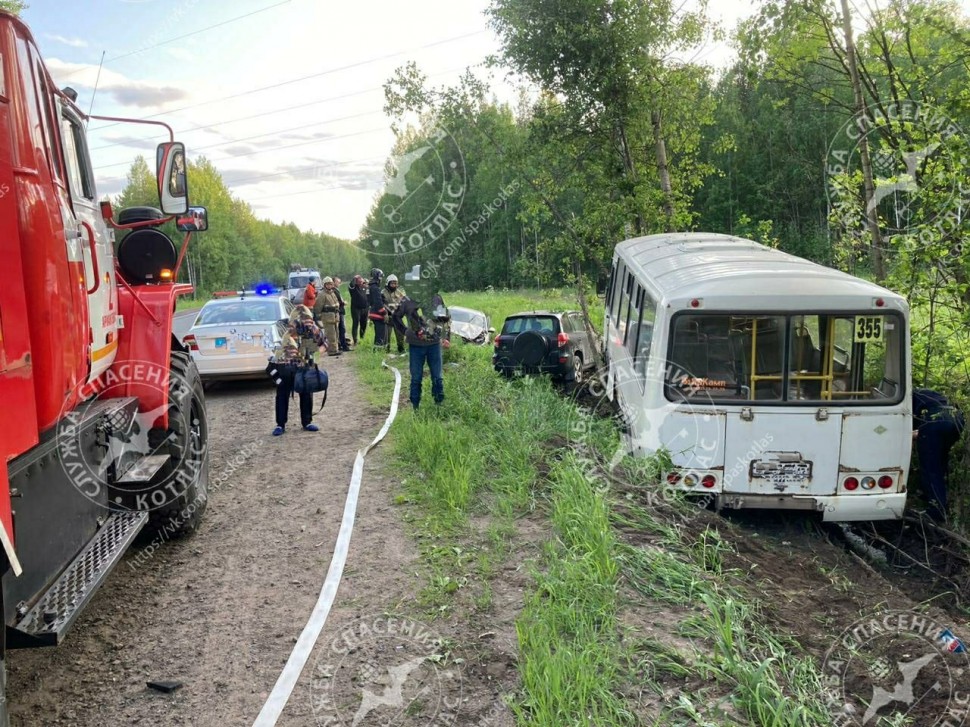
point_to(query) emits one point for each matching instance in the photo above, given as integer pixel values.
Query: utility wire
(303, 78)
(285, 109)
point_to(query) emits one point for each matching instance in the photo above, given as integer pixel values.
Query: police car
(234, 335)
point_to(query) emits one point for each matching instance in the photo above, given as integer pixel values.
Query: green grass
(492, 454)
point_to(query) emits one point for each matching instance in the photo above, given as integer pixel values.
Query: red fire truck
(102, 417)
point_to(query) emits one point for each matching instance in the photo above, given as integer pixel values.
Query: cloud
(240, 149)
(141, 94)
(145, 95)
(73, 42)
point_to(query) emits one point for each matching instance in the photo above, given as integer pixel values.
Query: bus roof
(699, 264)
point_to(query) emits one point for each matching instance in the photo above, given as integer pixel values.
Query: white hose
(280, 695)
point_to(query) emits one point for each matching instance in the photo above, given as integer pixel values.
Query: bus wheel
(188, 442)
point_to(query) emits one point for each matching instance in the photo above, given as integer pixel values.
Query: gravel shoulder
(221, 611)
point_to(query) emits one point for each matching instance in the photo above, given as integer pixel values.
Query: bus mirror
(173, 187)
(194, 220)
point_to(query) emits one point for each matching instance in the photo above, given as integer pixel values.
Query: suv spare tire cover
(529, 348)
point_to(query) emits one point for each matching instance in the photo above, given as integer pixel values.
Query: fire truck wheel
(188, 437)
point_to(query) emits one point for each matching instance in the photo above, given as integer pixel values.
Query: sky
(284, 97)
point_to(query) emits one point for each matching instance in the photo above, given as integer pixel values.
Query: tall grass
(494, 451)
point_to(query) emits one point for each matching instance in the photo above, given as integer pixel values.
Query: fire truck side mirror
(195, 220)
(173, 185)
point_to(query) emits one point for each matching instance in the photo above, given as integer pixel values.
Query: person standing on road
(378, 314)
(301, 339)
(423, 330)
(342, 341)
(310, 293)
(393, 295)
(937, 426)
(327, 311)
(358, 309)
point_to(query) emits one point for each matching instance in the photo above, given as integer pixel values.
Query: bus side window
(610, 288)
(648, 314)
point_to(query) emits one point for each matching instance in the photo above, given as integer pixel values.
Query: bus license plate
(781, 472)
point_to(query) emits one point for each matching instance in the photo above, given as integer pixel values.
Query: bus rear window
(805, 358)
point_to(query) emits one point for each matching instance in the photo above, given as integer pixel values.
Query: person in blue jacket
(937, 426)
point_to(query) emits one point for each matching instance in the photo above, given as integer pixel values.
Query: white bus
(771, 381)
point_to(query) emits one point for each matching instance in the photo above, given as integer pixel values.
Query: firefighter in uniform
(393, 295)
(377, 315)
(327, 311)
(937, 426)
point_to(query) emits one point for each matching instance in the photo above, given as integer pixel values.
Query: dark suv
(542, 342)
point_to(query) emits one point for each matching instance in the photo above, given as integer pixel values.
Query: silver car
(232, 338)
(471, 325)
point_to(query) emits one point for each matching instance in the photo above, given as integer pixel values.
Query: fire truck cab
(103, 428)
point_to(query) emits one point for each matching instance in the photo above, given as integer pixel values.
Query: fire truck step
(144, 469)
(49, 620)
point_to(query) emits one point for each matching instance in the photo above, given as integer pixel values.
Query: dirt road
(221, 611)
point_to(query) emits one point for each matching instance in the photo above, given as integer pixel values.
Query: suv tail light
(562, 339)
(190, 342)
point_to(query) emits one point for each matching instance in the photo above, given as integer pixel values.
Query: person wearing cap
(424, 329)
(393, 295)
(358, 308)
(937, 426)
(300, 341)
(327, 311)
(377, 314)
(310, 293)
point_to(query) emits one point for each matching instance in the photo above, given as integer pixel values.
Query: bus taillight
(673, 478)
(851, 483)
(885, 482)
(868, 483)
(709, 481)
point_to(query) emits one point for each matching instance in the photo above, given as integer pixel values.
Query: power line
(272, 148)
(295, 107)
(180, 37)
(304, 78)
(196, 32)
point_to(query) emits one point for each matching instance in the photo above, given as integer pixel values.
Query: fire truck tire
(188, 436)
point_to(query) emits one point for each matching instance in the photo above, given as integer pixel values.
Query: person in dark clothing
(341, 325)
(424, 332)
(358, 308)
(302, 337)
(378, 314)
(936, 428)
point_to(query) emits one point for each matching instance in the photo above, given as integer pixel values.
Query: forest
(837, 132)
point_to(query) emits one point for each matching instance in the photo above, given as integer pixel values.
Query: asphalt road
(183, 322)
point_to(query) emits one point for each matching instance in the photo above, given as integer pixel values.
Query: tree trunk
(631, 171)
(875, 250)
(663, 172)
